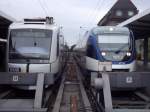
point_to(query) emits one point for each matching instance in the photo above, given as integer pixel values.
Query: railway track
(71, 96)
(95, 105)
(122, 101)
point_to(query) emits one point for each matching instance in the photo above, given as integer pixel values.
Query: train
(110, 46)
(35, 46)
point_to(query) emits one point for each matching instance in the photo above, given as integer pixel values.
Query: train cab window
(30, 43)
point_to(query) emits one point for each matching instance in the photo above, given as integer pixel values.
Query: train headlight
(103, 53)
(111, 29)
(128, 54)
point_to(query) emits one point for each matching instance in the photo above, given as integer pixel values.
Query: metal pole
(145, 51)
(39, 91)
(107, 93)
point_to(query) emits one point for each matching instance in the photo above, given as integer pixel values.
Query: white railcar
(34, 46)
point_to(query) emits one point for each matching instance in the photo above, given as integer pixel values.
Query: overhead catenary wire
(94, 12)
(91, 12)
(92, 15)
(99, 10)
(46, 6)
(42, 7)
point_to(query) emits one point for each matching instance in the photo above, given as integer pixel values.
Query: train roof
(18, 25)
(37, 23)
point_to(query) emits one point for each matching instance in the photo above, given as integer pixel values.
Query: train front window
(114, 47)
(30, 43)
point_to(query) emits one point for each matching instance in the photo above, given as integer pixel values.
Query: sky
(75, 16)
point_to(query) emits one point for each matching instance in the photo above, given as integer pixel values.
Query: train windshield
(114, 42)
(114, 46)
(30, 43)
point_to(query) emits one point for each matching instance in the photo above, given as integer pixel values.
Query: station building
(120, 11)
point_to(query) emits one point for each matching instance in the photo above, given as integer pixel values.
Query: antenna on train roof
(49, 20)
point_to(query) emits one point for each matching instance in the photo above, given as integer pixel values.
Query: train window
(130, 13)
(119, 13)
(30, 43)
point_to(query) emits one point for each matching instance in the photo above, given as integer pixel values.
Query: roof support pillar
(145, 51)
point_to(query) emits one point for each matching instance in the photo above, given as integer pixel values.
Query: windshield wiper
(119, 50)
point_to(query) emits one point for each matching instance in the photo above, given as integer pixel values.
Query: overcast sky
(71, 14)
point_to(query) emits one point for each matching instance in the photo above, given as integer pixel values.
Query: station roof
(5, 21)
(139, 24)
(4, 18)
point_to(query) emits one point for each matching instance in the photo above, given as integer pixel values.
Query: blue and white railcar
(111, 44)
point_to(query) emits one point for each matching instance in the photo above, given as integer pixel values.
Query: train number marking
(15, 78)
(129, 80)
